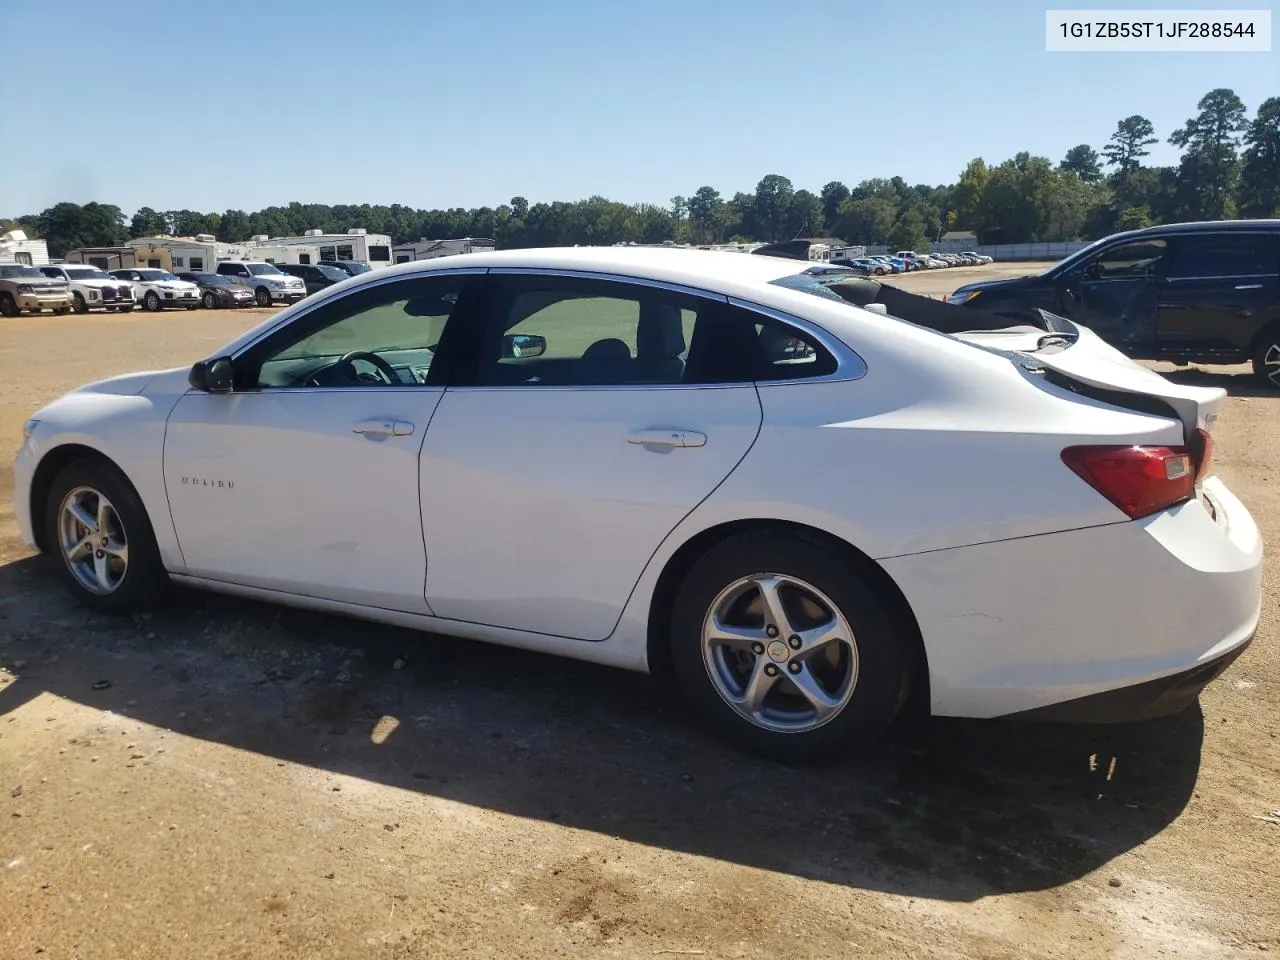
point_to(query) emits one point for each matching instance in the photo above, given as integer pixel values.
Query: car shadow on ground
(952, 810)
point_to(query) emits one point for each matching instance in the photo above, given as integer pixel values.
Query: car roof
(1204, 226)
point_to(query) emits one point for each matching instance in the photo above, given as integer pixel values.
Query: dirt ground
(229, 779)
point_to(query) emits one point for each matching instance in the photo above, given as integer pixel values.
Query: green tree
(1126, 148)
(769, 209)
(803, 216)
(146, 223)
(66, 226)
(1082, 160)
(1133, 218)
(702, 210)
(519, 207)
(1210, 167)
(966, 198)
(233, 227)
(833, 194)
(907, 232)
(1260, 170)
(865, 220)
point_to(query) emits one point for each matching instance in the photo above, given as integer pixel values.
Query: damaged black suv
(1186, 292)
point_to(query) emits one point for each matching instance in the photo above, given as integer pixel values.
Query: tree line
(1229, 167)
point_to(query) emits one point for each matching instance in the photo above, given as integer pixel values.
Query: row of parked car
(81, 287)
(905, 261)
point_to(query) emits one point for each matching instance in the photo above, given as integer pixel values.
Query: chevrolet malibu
(812, 502)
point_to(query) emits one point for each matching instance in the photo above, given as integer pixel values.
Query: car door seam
(755, 390)
(164, 477)
(422, 520)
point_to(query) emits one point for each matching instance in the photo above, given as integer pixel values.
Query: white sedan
(752, 480)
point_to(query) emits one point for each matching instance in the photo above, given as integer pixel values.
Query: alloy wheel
(92, 540)
(1271, 364)
(779, 652)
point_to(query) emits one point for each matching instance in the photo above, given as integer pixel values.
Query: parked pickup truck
(270, 285)
(23, 287)
(92, 288)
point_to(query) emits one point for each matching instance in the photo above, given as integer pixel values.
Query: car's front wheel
(78, 304)
(783, 646)
(210, 301)
(263, 297)
(98, 529)
(1266, 358)
(151, 301)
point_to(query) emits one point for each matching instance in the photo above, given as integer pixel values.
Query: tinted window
(1127, 261)
(345, 251)
(378, 251)
(399, 323)
(1223, 255)
(197, 263)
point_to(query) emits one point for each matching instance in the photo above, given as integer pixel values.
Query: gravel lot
(228, 779)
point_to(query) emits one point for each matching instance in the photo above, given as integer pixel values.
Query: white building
(430, 249)
(197, 254)
(316, 246)
(15, 247)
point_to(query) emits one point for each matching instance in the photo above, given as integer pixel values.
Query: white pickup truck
(92, 288)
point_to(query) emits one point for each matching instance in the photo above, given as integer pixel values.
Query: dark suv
(316, 276)
(1185, 292)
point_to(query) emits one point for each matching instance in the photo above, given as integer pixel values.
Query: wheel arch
(1269, 329)
(682, 560)
(50, 465)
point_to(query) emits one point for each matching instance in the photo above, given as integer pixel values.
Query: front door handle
(667, 438)
(1249, 286)
(383, 428)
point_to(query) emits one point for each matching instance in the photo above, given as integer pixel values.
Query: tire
(209, 300)
(262, 296)
(1266, 358)
(78, 304)
(8, 308)
(136, 584)
(61, 311)
(151, 301)
(864, 677)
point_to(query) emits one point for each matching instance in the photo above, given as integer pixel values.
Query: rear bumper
(1142, 701)
(1119, 621)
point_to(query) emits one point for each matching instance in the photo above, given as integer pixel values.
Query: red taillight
(1139, 480)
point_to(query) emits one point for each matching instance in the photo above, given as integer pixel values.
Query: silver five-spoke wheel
(1271, 364)
(779, 652)
(93, 541)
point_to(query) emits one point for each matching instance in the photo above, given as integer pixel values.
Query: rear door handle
(667, 438)
(383, 428)
(1249, 286)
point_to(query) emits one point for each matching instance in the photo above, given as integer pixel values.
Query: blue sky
(246, 104)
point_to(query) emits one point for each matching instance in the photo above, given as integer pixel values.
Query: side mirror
(212, 376)
(523, 345)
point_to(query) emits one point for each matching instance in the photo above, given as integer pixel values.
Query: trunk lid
(1080, 360)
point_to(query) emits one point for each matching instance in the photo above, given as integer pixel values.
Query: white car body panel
(314, 508)
(522, 516)
(578, 510)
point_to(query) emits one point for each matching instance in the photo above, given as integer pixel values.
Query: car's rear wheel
(210, 301)
(151, 301)
(78, 304)
(1266, 358)
(782, 646)
(263, 297)
(7, 306)
(98, 529)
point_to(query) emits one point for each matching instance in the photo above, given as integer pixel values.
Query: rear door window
(1213, 256)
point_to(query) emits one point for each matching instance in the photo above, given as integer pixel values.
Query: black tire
(78, 304)
(884, 659)
(1267, 349)
(151, 301)
(262, 296)
(209, 300)
(145, 583)
(7, 306)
